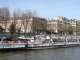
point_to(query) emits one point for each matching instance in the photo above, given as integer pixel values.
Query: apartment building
(62, 25)
(33, 25)
(56, 25)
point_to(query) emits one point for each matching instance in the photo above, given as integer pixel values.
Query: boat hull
(12, 47)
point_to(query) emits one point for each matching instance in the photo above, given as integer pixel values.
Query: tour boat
(54, 42)
(11, 45)
(40, 42)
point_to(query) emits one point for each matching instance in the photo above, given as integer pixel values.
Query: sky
(46, 8)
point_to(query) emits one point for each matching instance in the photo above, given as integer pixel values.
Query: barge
(53, 42)
(40, 42)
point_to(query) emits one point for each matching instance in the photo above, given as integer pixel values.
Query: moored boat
(41, 42)
(55, 41)
(12, 44)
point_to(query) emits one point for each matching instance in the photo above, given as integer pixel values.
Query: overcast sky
(46, 8)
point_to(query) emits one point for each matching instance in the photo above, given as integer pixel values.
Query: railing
(12, 46)
(54, 44)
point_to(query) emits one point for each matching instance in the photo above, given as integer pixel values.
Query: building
(62, 25)
(33, 25)
(39, 25)
(56, 25)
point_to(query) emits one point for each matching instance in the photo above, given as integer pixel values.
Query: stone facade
(62, 25)
(34, 25)
(58, 25)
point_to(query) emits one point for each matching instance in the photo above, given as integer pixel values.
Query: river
(71, 53)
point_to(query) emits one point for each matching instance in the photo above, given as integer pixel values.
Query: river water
(71, 53)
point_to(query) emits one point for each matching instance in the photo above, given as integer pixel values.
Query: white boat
(41, 42)
(4, 44)
(55, 41)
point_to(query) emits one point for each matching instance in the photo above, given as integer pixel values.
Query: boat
(40, 42)
(54, 42)
(6, 45)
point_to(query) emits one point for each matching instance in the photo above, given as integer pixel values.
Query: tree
(1, 28)
(39, 25)
(16, 15)
(5, 14)
(18, 31)
(1, 17)
(12, 29)
(36, 25)
(26, 16)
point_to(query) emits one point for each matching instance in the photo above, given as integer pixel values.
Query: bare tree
(35, 14)
(1, 17)
(16, 16)
(35, 22)
(26, 16)
(5, 13)
(39, 25)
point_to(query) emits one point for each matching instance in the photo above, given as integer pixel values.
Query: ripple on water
(71, 53)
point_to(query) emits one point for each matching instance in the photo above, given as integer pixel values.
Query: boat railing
(12, 45)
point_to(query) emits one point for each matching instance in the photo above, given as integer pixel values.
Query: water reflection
(71, 53)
